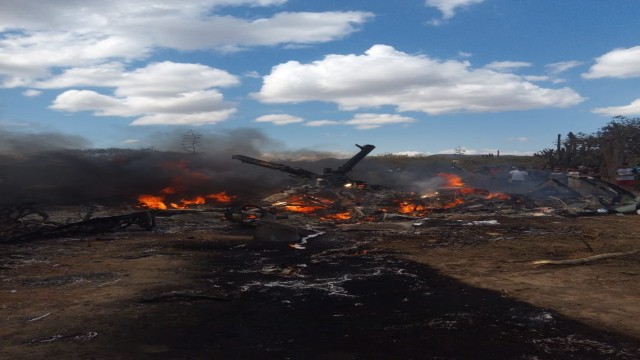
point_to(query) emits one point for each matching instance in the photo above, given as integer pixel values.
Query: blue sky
(412, 76)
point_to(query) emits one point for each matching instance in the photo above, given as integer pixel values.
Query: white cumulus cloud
(37, 37)
(363, 121)
(280, 119)
(373, 121)
(448, 7)
(619, 63)
(384, 76)
(201, 118)
(562, 66)
(506, 65)
(32, 93)
(535, 78)
(633, 109)
(163, 93)
(318, 123)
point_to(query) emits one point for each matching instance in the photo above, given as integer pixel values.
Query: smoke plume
(59, 169)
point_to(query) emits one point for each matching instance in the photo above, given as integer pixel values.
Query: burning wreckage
(332, 198)
(220, 294)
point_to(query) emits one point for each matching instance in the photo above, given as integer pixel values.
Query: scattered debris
(43, 229)
(70, 279)
(329, 178)
(80, 336)
(39, 317)
(574, 343)
(585, 260)
(354, 273)
(183, 295)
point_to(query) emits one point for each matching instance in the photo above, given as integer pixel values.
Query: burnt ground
(206, 290)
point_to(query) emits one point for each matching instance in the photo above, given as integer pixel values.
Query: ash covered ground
(194, 288)
(435, 282)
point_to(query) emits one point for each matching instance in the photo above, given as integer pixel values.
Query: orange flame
(452, 204)
(306, 204)
(302, 208)
(498, 196)
(467, 191)
(158, 201)
(152, 202)
(183, 180)
(451, 179)
(198, 200)
(221, 197)
(407, 207)
(340, 216)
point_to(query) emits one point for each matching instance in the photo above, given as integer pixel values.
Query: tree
(550, 156)
(588, 152)
(619, 142)
(574, 151)
(616, 143)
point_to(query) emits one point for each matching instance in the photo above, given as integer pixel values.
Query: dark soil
(196, 293)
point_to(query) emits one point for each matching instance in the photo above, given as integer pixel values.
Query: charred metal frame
(329, 177)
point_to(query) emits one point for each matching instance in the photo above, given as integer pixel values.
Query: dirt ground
(602, 293)
(197, 288)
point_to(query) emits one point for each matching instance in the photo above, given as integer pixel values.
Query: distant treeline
(615, 144)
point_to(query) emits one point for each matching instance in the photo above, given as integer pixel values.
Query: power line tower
(191, 141)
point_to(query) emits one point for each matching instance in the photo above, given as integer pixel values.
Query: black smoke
(60, 169)
(25, 144)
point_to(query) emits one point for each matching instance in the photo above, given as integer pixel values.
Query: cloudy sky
(424, 76)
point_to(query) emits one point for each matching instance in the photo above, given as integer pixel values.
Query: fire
(152, 202)
(302, 208)
(158, 201)
(451, 179)
(183, 181)
(498, 196)
(308, 204)
(221, 197)
(198, 200)
(407, 207)
(467, 191)
(449, 195)
(304, 204)
(340, 216)
(454, 203)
